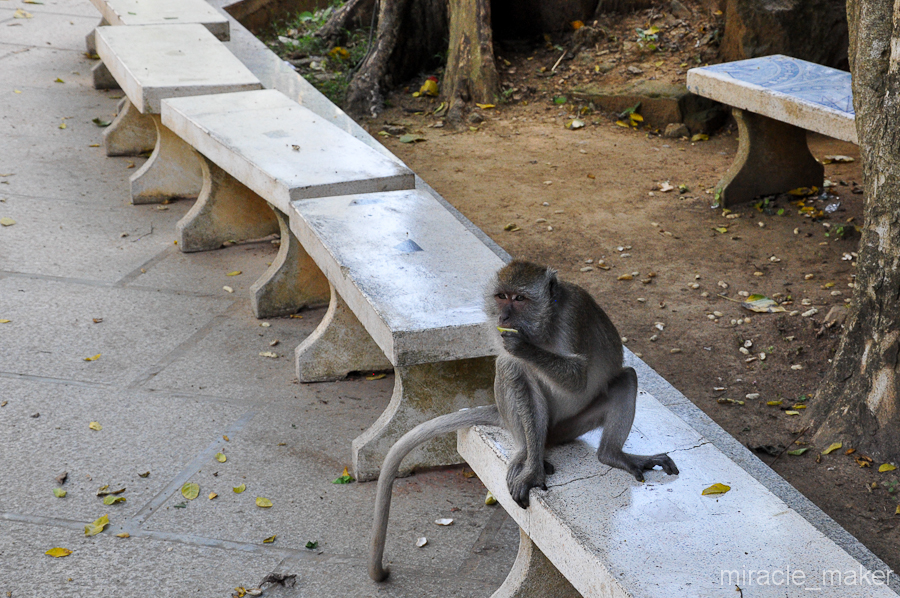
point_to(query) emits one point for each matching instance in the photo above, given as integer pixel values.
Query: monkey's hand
(514, 342)
(520, 480)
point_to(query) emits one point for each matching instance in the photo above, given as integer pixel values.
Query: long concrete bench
(152, 62)
(595, 532)
(155, 12)
(403, 276)
(775, 100)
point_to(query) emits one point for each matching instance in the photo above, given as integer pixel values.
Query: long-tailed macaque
(559, 375)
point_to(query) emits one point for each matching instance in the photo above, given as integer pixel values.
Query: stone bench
(595, 532)
(403, 276)
(775, 100)
(152, 62)
(155, 12)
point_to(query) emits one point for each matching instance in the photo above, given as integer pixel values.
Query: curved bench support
(130, 133)
(173, 170)
(534, 576)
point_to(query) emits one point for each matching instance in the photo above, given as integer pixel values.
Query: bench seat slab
(172, 171)
(772, 157)
(226, 210)
(280, 149)
(612, 536)
(292, 282)
(163, 12)
(130, 133)
(422, 392)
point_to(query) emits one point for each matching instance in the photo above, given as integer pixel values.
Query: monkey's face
(510, 310)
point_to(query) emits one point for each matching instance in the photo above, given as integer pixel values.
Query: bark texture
(813, 30)
(471, 75)
(858, 400)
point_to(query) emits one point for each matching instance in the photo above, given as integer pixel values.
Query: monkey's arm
(567, 371)
(487, 415)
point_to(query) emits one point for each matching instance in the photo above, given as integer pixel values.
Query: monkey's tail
(478, 416)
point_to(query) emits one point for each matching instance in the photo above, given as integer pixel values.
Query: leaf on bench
(716, 489)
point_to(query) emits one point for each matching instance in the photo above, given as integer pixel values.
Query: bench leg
(90, 42)
(173, 170)
(292, 282)
(103, 79)
(226, 210)
(772, 157)
(534, 576)
(422, 392)
(338, 346)
(130, 133)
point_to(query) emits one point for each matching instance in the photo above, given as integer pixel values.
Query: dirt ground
(590, 199)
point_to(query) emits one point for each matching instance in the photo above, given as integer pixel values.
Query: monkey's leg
(534, 576)
(293, 281)
(422, 392)
(530, 419)
(338, 346)
(617, 415)
(226, 210)
(131, 133)
(173, 170)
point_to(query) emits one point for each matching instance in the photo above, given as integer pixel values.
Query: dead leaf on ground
(59, 493)
(190, 490)
(58, 552)
(111, 500)
(221, 458)
(833, 447)
(7, 221)
(94, 528)
(239, 489)
(95, 426)
(263, 503)
(270, 539)
(21, 14)
(411, 138)
(762, 304)
(716, 489)
(94, 358)
(886, 467)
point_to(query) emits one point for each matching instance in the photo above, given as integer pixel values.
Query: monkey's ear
(552, 281)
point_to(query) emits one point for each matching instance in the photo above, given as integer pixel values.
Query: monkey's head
(523, 298)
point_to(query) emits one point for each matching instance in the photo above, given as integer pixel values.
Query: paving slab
(136, 12)
(52, 322)
(279, 149)
(44, 28)
(152, 62)
(59, 440)
(106, 565)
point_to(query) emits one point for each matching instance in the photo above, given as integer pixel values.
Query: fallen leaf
(897, 512)
(798, 452)
(100, 122)
(837, 159)
(700, 137)
(111, 500)
(411, 138)
(791, 412)
(511, 227)
(774, 403)
(804, 191)
(144, 475)
(21, 14)
(6, 221)
(239, 489)
(95, 426)
(716, 489)
(575, 123)
(834, 446)
(190, 490)
(58, 552)
(263, 503)
(312, 545)
(345, 478)
(212, 495)
(4, 321)
(105, 491)
(445, 521)
(762, 304)
(62, 125)
(59, 493)
(94, 358)
(339, 52)
(123, 535)
(372, 377)
(665, 186)
(221, 458)
(625, 277)
(92, 529)
(270, 539)
(489, 499)
(886, 467)
(421, 542)
(484, 106)
(225, 438)
(58, 80)
(235, 273)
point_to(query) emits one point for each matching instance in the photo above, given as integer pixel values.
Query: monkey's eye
(501, 296)
(519, 298)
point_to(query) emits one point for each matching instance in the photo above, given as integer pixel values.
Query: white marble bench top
(612, 536)
(279, 149)
(811, 96)
(411, 272)
(152, 62)
(157, 12)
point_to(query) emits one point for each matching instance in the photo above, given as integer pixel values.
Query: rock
(394, 129)
(634, 70)
(679, 10)
(835, 316)
(588, 36)
(677, 130)
(476, 118)
(813, 30)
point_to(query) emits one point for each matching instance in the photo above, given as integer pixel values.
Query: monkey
(559, 374)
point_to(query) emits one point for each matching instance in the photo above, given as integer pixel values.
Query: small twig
(553, 70)
(728, 298)
(144, 235)
(802, 432)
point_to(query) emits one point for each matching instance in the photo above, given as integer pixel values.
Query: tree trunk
(471, 75)
(353, 14)
(858, 400)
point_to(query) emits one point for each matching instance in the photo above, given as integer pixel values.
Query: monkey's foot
(636, 465)
(523, 481)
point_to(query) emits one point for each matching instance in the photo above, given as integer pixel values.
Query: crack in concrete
(690, 448)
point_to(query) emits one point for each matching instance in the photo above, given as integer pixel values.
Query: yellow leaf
(5, 321)
(7, 221)
(804, 191)
(270, 539)
(94, 358)
(17, 91)
(834, 446)
(92, 529)
(58, 80)
(239, 489)
(62, 125)
(761, 304)
(886, 467)
(375, 376)
(220, 457)
(235, 273)
(111, 500)
(716, 489)
(720, 229)
(576, 25)
(430, 87)
(212, 495)
(58, 552)
(190, 490)
(622, 124)
(897, 512)
(489, 499)
(59, 493)
(339, 52)
(226, 438)
(792, 413)
(700, 137)
(635, 117)
(21, 14)
(95, 426)
(123, 535)
(774, 403)
(625, 277)
(263, 503)
(484, 106)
